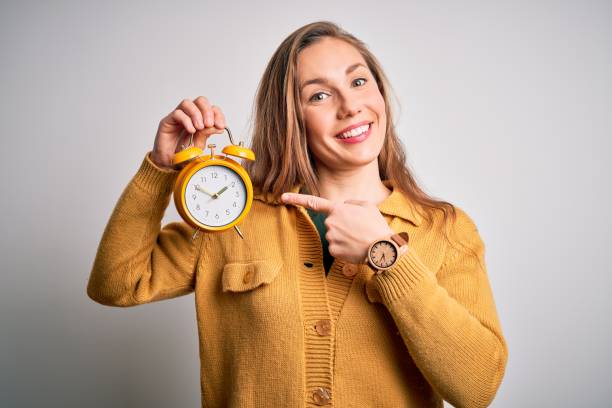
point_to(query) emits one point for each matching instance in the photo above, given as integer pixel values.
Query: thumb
(201, 136)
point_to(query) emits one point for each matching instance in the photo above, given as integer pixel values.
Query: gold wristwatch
(384, 253)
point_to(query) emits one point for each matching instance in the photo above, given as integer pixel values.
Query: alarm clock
(213, 192)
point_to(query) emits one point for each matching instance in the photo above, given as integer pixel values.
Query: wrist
(158, 162)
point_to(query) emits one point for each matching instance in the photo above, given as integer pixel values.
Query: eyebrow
(325, 81)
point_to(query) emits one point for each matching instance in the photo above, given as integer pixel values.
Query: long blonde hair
(279, 136)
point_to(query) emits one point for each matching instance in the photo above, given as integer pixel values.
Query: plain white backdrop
(505, 112)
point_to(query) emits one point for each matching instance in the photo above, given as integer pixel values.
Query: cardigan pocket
(245, 276)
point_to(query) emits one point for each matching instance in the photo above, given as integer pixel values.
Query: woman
(294, 314)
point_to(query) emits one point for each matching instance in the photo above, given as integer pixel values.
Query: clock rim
(196, 165)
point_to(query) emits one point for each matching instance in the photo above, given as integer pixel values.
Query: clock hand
(204, 191)
(222, 190)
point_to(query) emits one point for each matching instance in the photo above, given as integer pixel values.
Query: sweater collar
(396, 204)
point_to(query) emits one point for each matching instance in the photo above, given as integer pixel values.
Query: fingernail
(284, 196)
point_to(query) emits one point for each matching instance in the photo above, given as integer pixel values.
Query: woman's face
(341, 94)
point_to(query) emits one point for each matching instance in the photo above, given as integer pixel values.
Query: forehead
(328, 56)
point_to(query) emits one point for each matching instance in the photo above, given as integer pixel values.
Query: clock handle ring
(230, 135)
(183, 146)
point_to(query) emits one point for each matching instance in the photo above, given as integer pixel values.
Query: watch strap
(400, 239)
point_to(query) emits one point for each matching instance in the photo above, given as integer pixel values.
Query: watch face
(215, 195)
(383, 254)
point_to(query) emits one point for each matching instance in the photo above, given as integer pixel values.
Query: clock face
(215, 195)
(383, 254)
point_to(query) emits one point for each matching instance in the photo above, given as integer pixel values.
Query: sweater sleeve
(448, 319)
(138, 261)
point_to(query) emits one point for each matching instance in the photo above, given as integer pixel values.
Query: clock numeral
(214, 175)
(235, 204)
(194, 196)
(233, 184)
(217, 216)
(203, 179)
(206, 215)
(227, 212)
(225, 176)
(198, 207)
(237, 194)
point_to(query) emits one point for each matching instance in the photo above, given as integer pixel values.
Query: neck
(362, 183)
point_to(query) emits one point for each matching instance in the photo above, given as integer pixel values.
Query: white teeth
(354, 132)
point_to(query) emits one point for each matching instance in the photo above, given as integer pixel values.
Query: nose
(348, 107)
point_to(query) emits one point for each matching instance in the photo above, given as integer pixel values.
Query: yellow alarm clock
(213, 192)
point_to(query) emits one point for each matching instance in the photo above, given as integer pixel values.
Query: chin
(360, 160)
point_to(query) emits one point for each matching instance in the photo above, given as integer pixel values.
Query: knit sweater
(275, 331)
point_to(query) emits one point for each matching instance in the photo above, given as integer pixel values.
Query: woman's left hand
(351, 226)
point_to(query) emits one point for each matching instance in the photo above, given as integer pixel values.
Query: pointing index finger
(315, 203)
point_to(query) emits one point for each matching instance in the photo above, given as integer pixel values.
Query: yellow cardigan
(274, 331)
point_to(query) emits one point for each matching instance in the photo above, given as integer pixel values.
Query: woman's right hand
(198, 117)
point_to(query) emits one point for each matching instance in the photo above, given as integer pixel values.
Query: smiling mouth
(355, 132)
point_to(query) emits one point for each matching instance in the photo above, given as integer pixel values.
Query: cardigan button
(349, 269)
(321, 396)
(323, 327)
(246, 279)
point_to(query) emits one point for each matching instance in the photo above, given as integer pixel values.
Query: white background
(505, 112)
